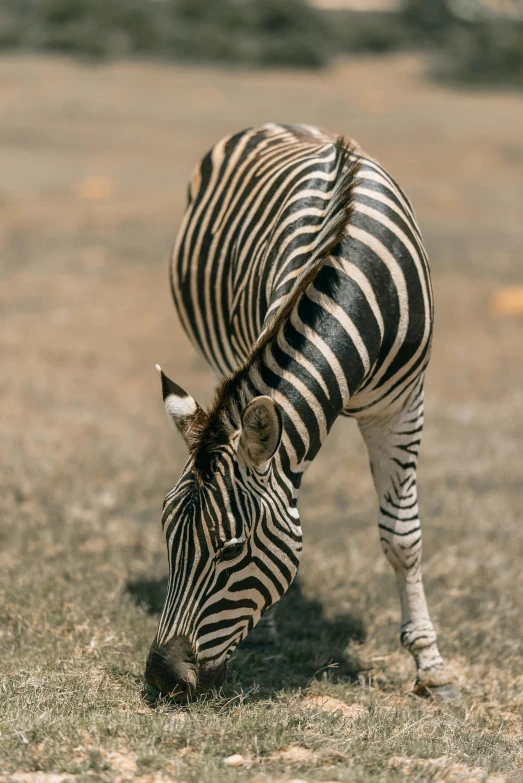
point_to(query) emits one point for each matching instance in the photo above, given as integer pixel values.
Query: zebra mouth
(190, 689)
(172, 671)
(179, 692)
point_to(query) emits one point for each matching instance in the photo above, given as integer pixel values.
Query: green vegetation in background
(470, 43)
(252, 32)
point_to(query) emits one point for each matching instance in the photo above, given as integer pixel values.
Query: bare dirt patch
(295, 755)
(38, 777)
(123, 763)
(335, 706)
(444, 769)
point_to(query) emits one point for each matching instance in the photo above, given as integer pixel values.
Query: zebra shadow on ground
(309, 645)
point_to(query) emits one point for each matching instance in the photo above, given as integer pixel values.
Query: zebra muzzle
(172, 669)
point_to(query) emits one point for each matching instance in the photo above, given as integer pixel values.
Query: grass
(94, 166)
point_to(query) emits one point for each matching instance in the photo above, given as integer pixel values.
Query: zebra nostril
(191, 679)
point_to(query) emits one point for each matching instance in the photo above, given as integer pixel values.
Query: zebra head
(233, 541)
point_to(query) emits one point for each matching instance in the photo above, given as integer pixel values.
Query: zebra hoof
(441, 694)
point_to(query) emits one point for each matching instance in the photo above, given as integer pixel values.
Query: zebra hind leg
(393, 443)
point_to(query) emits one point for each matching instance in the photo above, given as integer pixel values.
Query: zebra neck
(293, 379)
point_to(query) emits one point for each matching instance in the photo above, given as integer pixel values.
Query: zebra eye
(230, 550)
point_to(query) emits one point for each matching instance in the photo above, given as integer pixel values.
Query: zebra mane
(234, 392)
(335, 221)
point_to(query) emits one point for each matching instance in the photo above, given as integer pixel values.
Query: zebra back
(274, 211)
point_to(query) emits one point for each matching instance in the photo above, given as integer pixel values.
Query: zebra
(300, 274)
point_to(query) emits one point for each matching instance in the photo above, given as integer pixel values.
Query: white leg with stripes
(393, 443)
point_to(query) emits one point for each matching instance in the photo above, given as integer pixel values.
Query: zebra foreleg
(393, 444)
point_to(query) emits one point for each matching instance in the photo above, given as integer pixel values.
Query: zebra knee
(404, 554)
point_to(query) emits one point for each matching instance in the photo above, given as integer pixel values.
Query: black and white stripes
(300, 274)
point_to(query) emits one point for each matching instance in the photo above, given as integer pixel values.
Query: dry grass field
(93, 166)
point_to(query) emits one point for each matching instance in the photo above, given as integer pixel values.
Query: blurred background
(476, 40)
(105, 107)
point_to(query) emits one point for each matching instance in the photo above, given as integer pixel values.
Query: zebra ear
(182, 410)
(260, 432)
